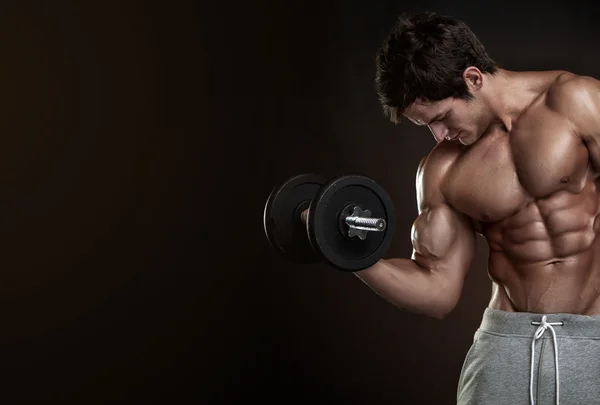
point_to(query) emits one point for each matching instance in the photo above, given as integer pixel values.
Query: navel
(565, 179)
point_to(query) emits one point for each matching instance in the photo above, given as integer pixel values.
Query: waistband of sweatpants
(520, 323)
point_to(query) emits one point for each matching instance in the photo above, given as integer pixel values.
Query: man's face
(453, 119)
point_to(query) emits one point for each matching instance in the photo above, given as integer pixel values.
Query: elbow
(441, 313)
(437, 310)
(445, 303)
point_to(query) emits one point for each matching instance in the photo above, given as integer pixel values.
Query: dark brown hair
(424, 57)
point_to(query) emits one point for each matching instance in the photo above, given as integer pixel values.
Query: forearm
(408, 286)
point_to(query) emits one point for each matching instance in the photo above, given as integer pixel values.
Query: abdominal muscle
(546, 257)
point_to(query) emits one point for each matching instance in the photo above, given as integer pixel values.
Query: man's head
(431, 69)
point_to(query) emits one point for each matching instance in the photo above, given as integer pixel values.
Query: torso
(532, 193)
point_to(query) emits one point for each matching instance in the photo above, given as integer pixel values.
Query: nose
(439, 131)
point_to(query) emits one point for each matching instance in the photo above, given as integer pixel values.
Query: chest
(503, 172)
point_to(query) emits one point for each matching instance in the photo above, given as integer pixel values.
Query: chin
(466, 139)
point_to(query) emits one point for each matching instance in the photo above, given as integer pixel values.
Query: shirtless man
(516, 160)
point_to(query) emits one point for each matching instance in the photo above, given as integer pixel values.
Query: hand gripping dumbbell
(350, 223)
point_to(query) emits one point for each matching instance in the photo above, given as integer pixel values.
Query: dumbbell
(350, 224)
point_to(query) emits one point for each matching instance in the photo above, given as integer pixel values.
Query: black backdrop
(139, 143)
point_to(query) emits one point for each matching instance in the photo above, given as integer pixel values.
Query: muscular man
(517, 160)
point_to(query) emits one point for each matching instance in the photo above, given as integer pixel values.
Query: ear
(473, 78)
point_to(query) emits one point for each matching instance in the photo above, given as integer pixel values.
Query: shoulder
(574, 96)
(441, 157)
(432, 171)
(571, 85)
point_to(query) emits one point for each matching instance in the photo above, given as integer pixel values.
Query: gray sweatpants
(498, 366)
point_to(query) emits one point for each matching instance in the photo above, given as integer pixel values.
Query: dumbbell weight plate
(283, 226)
(326, 234)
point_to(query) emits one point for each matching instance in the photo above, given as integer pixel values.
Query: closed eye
(441, 118)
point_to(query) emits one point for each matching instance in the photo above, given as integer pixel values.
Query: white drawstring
(538, 334)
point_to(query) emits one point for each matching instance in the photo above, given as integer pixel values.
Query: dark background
(139, 142)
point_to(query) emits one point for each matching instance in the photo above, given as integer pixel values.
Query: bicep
(443, 238)
(443, 242)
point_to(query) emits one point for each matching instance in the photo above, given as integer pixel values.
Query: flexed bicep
(443, 240)
(432, 233)
(430, 282)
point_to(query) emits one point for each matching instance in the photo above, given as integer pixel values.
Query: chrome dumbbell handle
(360, 222)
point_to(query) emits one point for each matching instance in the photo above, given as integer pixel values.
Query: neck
(509, 94)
